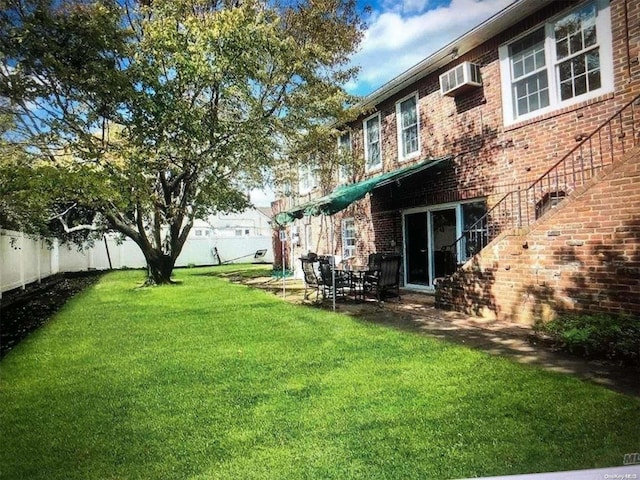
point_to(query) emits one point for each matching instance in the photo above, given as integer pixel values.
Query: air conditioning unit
(460, 79)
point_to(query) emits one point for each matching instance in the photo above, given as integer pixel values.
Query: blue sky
(400, 34)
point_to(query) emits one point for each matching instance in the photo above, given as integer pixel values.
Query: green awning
(345, 195)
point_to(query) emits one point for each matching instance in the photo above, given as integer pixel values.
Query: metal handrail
(521, 208)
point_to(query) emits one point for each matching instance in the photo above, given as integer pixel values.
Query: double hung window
(560, 63)
(408, 128)
(345, 171)
(306, 178)
(577, 53)
(348, 238)
(372, 143)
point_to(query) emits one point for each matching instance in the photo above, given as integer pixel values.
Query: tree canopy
(139, 117)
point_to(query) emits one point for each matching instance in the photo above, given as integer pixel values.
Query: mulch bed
(23, 311)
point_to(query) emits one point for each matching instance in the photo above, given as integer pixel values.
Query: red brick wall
(489, 158)
(583, 256)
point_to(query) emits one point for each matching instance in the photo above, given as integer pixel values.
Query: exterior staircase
(570, 241)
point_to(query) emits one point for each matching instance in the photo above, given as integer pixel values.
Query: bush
(616, 337)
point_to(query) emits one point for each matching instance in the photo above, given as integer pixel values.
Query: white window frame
(367, 166)
(307, 179)
(345, 149)
(604, 42)
(308, 238)
(348, 250)
(401, 156)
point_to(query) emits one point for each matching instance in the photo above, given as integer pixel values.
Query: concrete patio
(415, 312)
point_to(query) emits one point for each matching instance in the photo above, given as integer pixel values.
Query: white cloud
(396, 40)
(409, 6)
(262, 198)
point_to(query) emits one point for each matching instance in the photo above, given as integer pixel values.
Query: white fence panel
(24, 260)
(242, 249)
(123, 255)
(196, 251)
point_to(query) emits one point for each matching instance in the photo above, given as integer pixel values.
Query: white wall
(24, 260)
(196, 251)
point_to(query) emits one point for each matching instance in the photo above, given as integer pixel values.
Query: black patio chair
(311, 280)
(328, 284)
(372, 274)
(389, 279)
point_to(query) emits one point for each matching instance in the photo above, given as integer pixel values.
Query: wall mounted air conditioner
(460, 79)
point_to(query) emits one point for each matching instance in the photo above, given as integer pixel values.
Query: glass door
(444, 231)
(416, 244)
(429, 240)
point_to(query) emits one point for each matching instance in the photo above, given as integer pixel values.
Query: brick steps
(582, 255)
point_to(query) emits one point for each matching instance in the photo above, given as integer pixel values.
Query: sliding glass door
(429, 235)
(416, 243)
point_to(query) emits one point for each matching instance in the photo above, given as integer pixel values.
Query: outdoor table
(355, 275)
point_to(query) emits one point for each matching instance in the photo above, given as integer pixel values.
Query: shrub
(598, 335)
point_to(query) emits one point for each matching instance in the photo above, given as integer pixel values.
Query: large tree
(139, 117)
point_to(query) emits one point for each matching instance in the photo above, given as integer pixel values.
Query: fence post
(55, 257)
(21, 249)
(39, 258)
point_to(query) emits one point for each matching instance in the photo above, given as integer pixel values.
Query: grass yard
(211, 380)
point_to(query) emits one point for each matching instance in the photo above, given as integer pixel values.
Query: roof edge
(479, 34)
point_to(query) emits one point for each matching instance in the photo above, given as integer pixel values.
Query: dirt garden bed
(23, 311)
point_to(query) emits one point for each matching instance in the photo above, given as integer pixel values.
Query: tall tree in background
(141, 117)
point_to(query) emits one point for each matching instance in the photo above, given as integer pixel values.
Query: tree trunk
(159, 268)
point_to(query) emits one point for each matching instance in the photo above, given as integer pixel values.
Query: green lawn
(208, 379)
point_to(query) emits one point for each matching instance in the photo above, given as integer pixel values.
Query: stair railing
(520, 208)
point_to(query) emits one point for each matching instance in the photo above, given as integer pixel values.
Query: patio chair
(373, 271)
(389, 279)
(311, 280)
(327, 281)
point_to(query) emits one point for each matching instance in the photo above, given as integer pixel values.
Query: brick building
(508, 168)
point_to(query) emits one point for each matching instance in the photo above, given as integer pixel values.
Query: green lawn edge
(208, 379)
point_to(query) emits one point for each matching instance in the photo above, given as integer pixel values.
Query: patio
(416, 311)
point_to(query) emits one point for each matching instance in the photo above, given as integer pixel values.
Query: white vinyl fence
(24, 260)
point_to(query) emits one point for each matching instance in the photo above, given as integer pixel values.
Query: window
(306, 178)
(372, 153)
(348, 238)
(238, 232)
(476, 231)
(577, 53)
(308, 238)
(560, 63)
(344, 151)
(198, 232)
(408, 128)
(529, 74)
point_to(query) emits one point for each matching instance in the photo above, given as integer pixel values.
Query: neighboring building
(503, 167)
(253, 222)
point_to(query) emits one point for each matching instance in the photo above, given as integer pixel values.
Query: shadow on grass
(239, 272)
(499, 339)
(502, 339)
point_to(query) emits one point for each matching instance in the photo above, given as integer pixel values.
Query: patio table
(355, 275)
